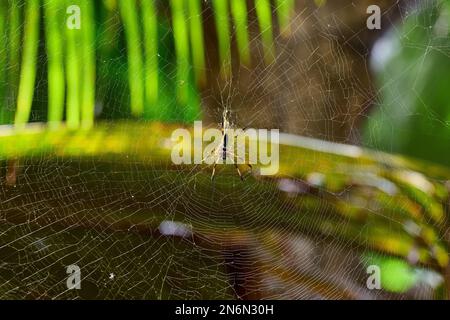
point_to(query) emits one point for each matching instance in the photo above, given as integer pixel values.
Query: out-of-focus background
(90, 92)
(330, 77)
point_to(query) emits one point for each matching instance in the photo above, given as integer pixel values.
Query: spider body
(225, 146)
(222, 152)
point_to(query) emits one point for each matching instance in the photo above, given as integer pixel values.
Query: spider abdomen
(224, 149)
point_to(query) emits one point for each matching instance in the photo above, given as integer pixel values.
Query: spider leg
(239, 131)
(214, 171)
(238, 171)
(214, 168)
(216, 152)
(217, 149)
(233, 156)
(243, 160)
(240, 158)
(208, 156)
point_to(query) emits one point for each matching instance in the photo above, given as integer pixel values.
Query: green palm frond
(373, 204)
(36, 33)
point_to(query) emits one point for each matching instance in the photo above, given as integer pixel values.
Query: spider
(221, 152)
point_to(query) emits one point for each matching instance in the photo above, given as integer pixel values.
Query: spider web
(141, 230)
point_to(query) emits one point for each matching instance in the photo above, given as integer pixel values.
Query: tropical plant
(98, 193)
(80, 54)
(413, 117)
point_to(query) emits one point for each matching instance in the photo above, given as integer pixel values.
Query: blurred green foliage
(397, 275)
(414, 115)
(381, 209)
(139, 58)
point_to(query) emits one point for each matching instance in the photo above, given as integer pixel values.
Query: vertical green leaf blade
(3, 62)
(264, 13)
(14, 45)
(285, 9)
(150, 23)
(73, 68)
(239, 13)
(29, 63)
(221, 16)
(129, 13)
(55, 57)
(181, 39)
(197, 40)
(89, 72)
